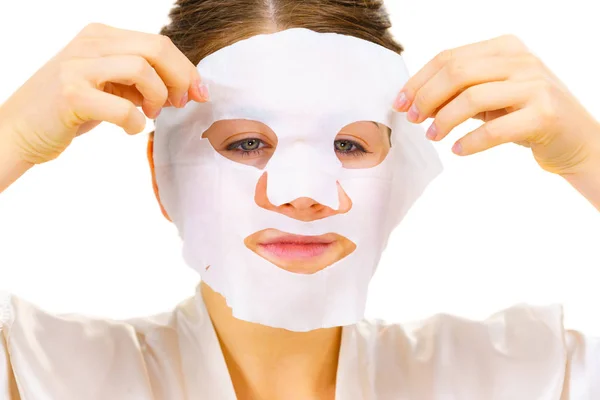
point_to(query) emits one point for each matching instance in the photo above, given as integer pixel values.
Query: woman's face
(362, 144)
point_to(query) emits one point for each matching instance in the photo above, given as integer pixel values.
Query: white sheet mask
(306, 86)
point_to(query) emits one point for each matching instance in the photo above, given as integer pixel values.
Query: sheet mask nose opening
(287, 185)
(303, 171)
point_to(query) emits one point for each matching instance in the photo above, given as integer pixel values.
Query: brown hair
(201, 27)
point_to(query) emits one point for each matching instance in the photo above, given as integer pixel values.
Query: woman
(179, 356)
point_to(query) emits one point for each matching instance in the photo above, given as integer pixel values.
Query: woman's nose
(303, 208)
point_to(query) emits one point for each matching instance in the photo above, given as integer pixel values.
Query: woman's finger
(89, 104)
(129, 92)
(457, 76)
(177, 72)
(125, 91)
(518, 126)
(502, 45)
(476, 100)
(130, 71)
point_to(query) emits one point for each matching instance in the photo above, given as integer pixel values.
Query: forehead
(301, 75)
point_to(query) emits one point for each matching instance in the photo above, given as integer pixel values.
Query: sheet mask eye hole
(243, 141)
(362, 144)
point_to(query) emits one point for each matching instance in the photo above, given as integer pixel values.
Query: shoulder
(508, 331)
(522, 352)
(85, 351)
(20, 318)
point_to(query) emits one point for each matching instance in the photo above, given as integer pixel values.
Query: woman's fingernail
(431, 132)
(413, 113)
(156, 113)
(184, 100)
(400, 101)
(203, 90)
(457, 148)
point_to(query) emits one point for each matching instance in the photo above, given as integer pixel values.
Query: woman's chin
(300, 254)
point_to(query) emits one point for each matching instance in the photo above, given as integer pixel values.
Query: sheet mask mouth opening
(299, 254)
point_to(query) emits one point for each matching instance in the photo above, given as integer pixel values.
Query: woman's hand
(104, 74)
(502, 83)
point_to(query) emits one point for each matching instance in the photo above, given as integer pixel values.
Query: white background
(84, 233)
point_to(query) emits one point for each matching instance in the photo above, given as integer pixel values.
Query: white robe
(520, 353)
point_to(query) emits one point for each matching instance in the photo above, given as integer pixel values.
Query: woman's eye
(348, 147)
(247, 145)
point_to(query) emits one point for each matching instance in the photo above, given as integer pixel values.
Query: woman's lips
(297, 247)
(297, 253)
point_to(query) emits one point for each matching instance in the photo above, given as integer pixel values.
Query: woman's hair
(201, 27)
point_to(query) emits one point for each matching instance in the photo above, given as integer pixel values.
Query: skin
(498, 81)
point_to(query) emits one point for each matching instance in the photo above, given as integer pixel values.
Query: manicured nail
(400, 102)
(184, 100)
(413, 113)
(156, 113)
(457, 148)
(431, 132)
(203, 90)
